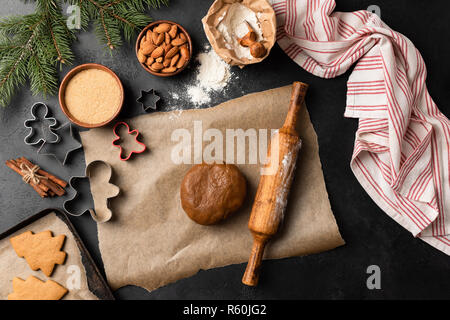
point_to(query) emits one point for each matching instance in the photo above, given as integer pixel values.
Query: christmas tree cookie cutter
(148, 100)
(76, 206)
(41, 126)
(66, 141)
(118, 139)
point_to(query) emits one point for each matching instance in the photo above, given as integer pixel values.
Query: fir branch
(116, 18)
(31, 46)
(13, 66)
(110, 12)
(108, 38)
(44, 79)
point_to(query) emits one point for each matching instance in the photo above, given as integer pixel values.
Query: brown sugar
(92, 96)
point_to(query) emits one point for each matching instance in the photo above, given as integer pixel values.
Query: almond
(163, 27)
(158, 52)
(150, 61)
(178, 41)
(154, 37)
(180, 63)
(147, 48)
(184, 52)
(166, 63)
(141, 57)
(249, 38)
(160, 59)
(172, 52)
(144, 38)
(167, 47)
(169, 70)
(166, 38)
(157, 66)
(182, 36)
(149, 35)
(159, 39)
(257, 50)
(174, 60)
(173, 31)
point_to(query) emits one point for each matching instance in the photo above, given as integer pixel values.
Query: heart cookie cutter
(102, 212)
(28, 124)
(118, 138)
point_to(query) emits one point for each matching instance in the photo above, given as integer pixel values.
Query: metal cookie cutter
(67, 143)
(148, 100)
(134, 132)
(41, 126)
(76, 206)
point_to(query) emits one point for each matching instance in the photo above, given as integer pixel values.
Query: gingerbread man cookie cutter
(101, 198)
(116, 141)
(40, 121)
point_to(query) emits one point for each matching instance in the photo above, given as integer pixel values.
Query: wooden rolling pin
(271, 196)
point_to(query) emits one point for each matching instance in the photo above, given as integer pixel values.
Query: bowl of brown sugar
(91, 95)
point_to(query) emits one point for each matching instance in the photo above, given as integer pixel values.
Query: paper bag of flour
(217, 29)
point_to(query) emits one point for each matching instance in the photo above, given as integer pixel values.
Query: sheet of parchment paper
(13, 266)
(151, 242)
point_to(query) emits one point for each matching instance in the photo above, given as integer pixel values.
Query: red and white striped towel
(401, 154)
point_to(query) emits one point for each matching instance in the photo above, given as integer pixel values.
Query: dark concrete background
(410, 268)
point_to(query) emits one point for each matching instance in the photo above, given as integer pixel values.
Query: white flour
(213, 74)
(233, 26)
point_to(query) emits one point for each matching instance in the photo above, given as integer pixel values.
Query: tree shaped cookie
(41, 250)
(35, 289)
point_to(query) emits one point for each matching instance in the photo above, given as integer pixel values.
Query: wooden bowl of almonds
(164, 48)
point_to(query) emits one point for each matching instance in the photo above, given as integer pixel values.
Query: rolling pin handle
(297, 97)
(251, 274)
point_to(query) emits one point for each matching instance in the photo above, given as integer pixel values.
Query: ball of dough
(210, 192)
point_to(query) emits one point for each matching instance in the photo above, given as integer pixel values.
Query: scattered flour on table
(212, 75)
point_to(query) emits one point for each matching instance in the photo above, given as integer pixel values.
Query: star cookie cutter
(101, 199)
(134, 132)
(148, 95)
(40, 115)
(66, 136)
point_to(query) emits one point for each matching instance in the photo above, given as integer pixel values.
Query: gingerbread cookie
(210, 192)
(41, 250)
(36, 289)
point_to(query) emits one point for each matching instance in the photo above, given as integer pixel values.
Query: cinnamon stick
(39, 185)
(48, 186)
(56, 188)
(14, 167)
(50, 176)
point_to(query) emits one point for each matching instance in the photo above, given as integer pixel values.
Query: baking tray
(96, 284)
